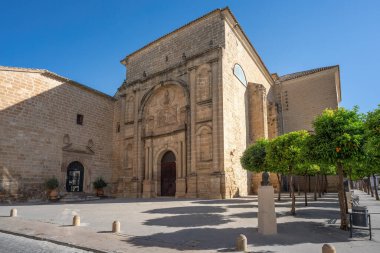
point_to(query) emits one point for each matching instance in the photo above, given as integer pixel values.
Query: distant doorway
(74, 181)
(168, 174)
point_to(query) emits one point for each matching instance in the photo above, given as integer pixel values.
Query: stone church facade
(191, 102)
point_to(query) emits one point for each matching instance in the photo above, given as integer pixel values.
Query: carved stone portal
(165, 110)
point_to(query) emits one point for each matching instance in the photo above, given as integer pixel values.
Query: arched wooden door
(74, 181)
(168, 174)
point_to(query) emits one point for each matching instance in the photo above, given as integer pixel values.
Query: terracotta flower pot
(100, 192)
(53, 194)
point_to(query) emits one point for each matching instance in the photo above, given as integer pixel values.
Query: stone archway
(75, 177)
(168, 174)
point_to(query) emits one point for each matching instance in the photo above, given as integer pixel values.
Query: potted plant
(52, 186)
(99, 184)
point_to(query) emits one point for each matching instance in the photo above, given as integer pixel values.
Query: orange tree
(339, 139)
(372, 145)
(253, 158)
(285, 154)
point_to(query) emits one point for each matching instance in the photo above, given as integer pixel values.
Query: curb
(52, 241)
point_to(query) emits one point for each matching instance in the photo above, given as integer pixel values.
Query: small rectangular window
(118, 127)
(79, 119)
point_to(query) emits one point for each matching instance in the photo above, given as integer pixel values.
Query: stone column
(138, 170)
(216, 174)
(215, 105)
(192, 85)
(184, 158)
(150, 149)
(147, 185)
(192, 176)
(180, 181)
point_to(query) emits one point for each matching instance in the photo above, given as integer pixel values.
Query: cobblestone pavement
(169, 225)
(16, 244)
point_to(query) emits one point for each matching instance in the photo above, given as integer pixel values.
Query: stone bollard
(116, 226)
(328, 248)
(76, 220)
(13, 212)
(241, 243)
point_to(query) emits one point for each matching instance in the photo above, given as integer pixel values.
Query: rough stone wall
(235, 108)
(273, 120)
(304, 98)
(167, 52)
(37, 120)
(257, 112)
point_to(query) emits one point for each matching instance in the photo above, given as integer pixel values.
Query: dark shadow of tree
(312, 213)
(289, 233)
(188, 210)
(189, 220)
(242, 206)
(245, 215)
(224, 201)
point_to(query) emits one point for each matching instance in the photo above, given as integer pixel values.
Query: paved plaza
(168, 225)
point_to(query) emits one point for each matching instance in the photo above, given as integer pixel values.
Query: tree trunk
(342, 204)
(366, 189)
(290, 185)
(298, 186)
(322, 189)
(351, 182)
(315, 188)
(369, 185)
(326, 183)
(305, 190)
(293, 210)
(279, 186)
(375, 186)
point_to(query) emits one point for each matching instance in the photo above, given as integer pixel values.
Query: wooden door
(168, 174)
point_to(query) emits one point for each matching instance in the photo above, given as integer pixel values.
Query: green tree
(285, 154)
(253, 158)
(372, 145)
(339, 136)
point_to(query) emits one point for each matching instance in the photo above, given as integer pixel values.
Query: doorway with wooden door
(168, 174)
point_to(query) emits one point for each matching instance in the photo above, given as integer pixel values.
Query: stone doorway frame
(81, 178)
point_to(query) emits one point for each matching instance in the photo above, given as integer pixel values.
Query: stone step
(75, 197)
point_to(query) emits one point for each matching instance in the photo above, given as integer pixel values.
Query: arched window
(239, 73)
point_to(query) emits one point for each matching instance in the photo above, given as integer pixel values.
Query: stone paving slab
(168, 225)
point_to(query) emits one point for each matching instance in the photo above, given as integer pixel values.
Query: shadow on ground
(189, 220)
(223, 239)
(188, 210)
(313, 213)
(225, 201)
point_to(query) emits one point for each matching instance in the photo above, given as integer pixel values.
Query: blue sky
(85, 40)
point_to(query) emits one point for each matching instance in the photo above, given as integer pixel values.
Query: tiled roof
(50, 74)
(304, 73)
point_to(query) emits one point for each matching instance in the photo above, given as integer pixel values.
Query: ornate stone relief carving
(165, 111)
